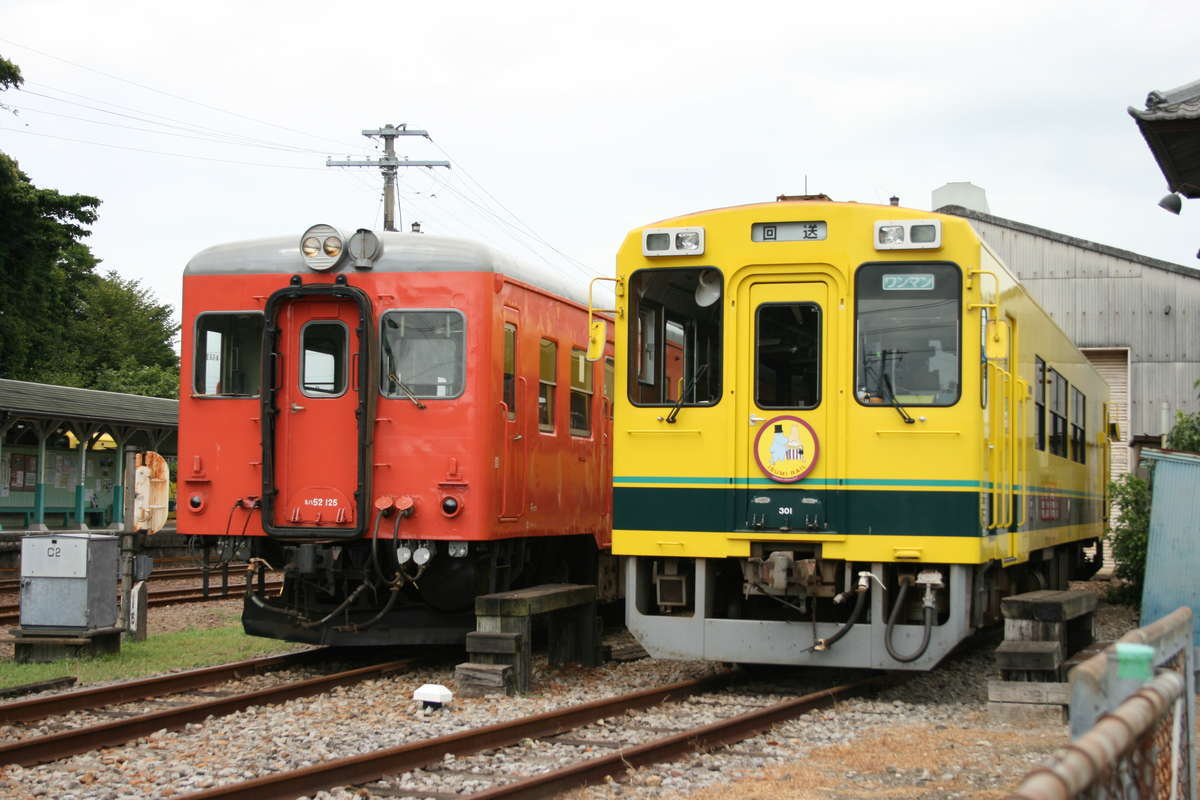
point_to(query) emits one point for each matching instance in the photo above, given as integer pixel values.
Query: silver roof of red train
(402, 252)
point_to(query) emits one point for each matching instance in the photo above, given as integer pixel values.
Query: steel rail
(707, 737)
(173, 574)
(68, 743)
(95, 697)
(10, 613)
(371, 766)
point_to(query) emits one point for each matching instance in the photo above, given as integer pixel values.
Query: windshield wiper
(679, 403)
(407, 391)
(896, 403)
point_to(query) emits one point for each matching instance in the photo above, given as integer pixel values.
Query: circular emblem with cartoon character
(786, 449)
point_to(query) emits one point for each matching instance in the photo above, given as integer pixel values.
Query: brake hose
(860, 605)
(905, 582)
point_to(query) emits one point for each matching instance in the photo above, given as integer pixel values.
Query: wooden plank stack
(503, 636)
(1042, 630)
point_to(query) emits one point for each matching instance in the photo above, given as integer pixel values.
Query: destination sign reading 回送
(814, 231)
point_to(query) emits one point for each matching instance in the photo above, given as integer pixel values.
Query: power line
(574, 263)
(528, 230)
(141, 115)
(165, 93)
(160, 152)
(197, 137)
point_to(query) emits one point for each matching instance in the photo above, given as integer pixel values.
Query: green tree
(60, 322)
(1131, 533)
(43, 269)
(1186, 433)
(10, 75)
(41, 260)
(1132, 497)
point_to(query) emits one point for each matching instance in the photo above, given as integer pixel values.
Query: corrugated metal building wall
(1137, 318)
(1107, 299)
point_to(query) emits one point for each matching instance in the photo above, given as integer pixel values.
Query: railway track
(172, 574)
(567, 727)
(158, 686)
(10, 613)
(132, 724)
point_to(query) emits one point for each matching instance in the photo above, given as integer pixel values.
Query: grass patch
(163, 653)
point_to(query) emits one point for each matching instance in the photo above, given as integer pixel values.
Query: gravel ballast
(929, 738)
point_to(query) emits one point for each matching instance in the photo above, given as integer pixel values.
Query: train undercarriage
(788, 606)
(376, 591)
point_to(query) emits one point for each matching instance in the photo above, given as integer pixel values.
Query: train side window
(228, 354)
(787, 350)
(581, 394)
(675, 339)
(424, 353)
(323, 363)
(1058, 414)
(510, 369)
(1039, 400)
(908, 321)
(547, 383)
(1078, 426)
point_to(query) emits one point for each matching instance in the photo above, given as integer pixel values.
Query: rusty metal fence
(1131, 738)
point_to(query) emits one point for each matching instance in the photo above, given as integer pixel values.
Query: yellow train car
(842, 433)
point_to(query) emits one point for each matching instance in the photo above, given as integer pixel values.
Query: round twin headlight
(322, 247)
(422, 555)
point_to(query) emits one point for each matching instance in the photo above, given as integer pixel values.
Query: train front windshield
(675, 336)
(907, 334)
(424, 353)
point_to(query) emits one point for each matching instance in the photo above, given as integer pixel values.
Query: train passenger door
(513, 417)
(315, 450)
(782, 406)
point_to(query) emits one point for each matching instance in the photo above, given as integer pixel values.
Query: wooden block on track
(1027, 713)
(476, 680)
(1045, 656)
(1048, 605)
(1043, 692)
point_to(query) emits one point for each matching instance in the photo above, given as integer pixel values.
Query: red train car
(399, 422)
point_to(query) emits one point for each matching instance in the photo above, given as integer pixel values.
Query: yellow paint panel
(700, 544)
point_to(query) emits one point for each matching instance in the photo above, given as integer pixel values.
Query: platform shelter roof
(113, 412)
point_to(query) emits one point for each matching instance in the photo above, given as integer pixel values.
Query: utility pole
(389, 164)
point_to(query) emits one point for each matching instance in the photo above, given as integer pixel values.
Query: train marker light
(322, 247)
(403, 554)
(673, 242)
(917, 234)
(364, 247)
(422, 554)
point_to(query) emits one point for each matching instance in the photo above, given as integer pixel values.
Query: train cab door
(316, 412)
(782, 403)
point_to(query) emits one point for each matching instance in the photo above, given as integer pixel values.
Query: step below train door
(782, 404)
(317, 412)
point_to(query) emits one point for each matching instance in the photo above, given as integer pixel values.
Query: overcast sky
(585, 120)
